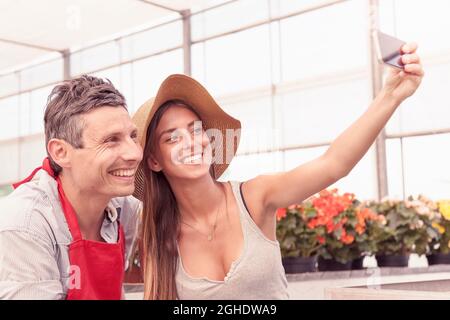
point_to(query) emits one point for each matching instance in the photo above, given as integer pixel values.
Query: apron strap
(45, 165)
(27, 179)
(67, 208)
(69, 213)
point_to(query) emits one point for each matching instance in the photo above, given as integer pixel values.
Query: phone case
(389, 49)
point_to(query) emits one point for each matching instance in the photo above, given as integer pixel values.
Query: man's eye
(197, 131)
(111, 139)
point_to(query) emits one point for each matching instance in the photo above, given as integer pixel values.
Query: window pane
(325, 41)
(399, 18)
(9, 84)
(126, 85)
(427, 166)
(149, 73)
(246, 167)
(9, 158)
(257, 132)
(42, 74)
(429, 104)
(362, 180)
(25, 114)
(235, 63)
(320, 114)
(121, 79)
(198, 62)
(228, 17)
(113, 74)
(38, 103)
(294, 158)
(283, 7)
(9, 118)
(152, 41)
(394, 168)
(32, 152)
(94, 58)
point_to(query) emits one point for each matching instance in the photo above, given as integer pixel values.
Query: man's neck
(89, 208)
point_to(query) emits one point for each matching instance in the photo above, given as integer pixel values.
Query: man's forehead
(108, 120)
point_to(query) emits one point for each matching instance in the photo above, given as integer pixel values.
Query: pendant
(210, 237)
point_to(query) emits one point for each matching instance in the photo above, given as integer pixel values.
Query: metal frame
(187, 41)
(159, 5)
(29, 45)
(376, 85)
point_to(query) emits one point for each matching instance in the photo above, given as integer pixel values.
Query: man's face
(107, 162)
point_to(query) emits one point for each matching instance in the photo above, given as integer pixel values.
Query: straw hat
(188, 90)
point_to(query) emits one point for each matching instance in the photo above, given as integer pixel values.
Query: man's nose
(132, 151)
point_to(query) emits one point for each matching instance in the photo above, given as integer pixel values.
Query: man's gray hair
(68, 101)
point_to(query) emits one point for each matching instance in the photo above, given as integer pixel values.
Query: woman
(204, 239)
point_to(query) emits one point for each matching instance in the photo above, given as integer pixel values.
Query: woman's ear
(59, 151)
(153, 164)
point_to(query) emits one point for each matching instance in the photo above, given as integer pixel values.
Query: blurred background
(295, 72)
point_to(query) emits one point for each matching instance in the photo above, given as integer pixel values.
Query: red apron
(97, 268)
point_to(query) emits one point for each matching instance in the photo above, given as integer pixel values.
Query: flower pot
(357, 264)
(333, 265)
(438, 258)
(300, 264)
(393, 260)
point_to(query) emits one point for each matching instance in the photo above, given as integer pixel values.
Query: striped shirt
(34, 239)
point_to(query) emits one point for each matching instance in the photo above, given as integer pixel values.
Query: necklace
(211, 235)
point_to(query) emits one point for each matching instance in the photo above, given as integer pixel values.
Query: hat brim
(188, 90)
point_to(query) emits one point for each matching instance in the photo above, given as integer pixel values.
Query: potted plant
(367, 232)
(407, 230)
(299, 244)
(344, 220)
(440, 247)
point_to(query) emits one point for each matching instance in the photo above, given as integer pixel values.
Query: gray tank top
(257, 274)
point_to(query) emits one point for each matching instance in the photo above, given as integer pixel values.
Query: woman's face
(181, 147)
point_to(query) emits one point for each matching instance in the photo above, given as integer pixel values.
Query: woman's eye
(198, 131)
(173, 138)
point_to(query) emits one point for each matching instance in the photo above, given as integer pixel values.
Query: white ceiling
(30, 29)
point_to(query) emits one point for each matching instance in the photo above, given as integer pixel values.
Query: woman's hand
(401, 84)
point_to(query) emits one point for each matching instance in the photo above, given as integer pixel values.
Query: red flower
(347, 239)
(281, 213)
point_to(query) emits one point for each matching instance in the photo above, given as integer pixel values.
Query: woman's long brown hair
(161, 223)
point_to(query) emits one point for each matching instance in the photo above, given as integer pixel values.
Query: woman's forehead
(176, 117)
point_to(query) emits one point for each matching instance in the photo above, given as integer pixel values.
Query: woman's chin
(193, 171)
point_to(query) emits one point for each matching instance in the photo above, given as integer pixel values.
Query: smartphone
(389, 49)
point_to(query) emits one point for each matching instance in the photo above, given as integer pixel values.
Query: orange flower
(281, 213)
(347, 239)
(331, 226)
(366, 215)
(359, 228)
(312, 224)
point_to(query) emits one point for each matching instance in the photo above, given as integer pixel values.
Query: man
(67, 231)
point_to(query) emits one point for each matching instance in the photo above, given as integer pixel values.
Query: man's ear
(59, 150)
(153, 164)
